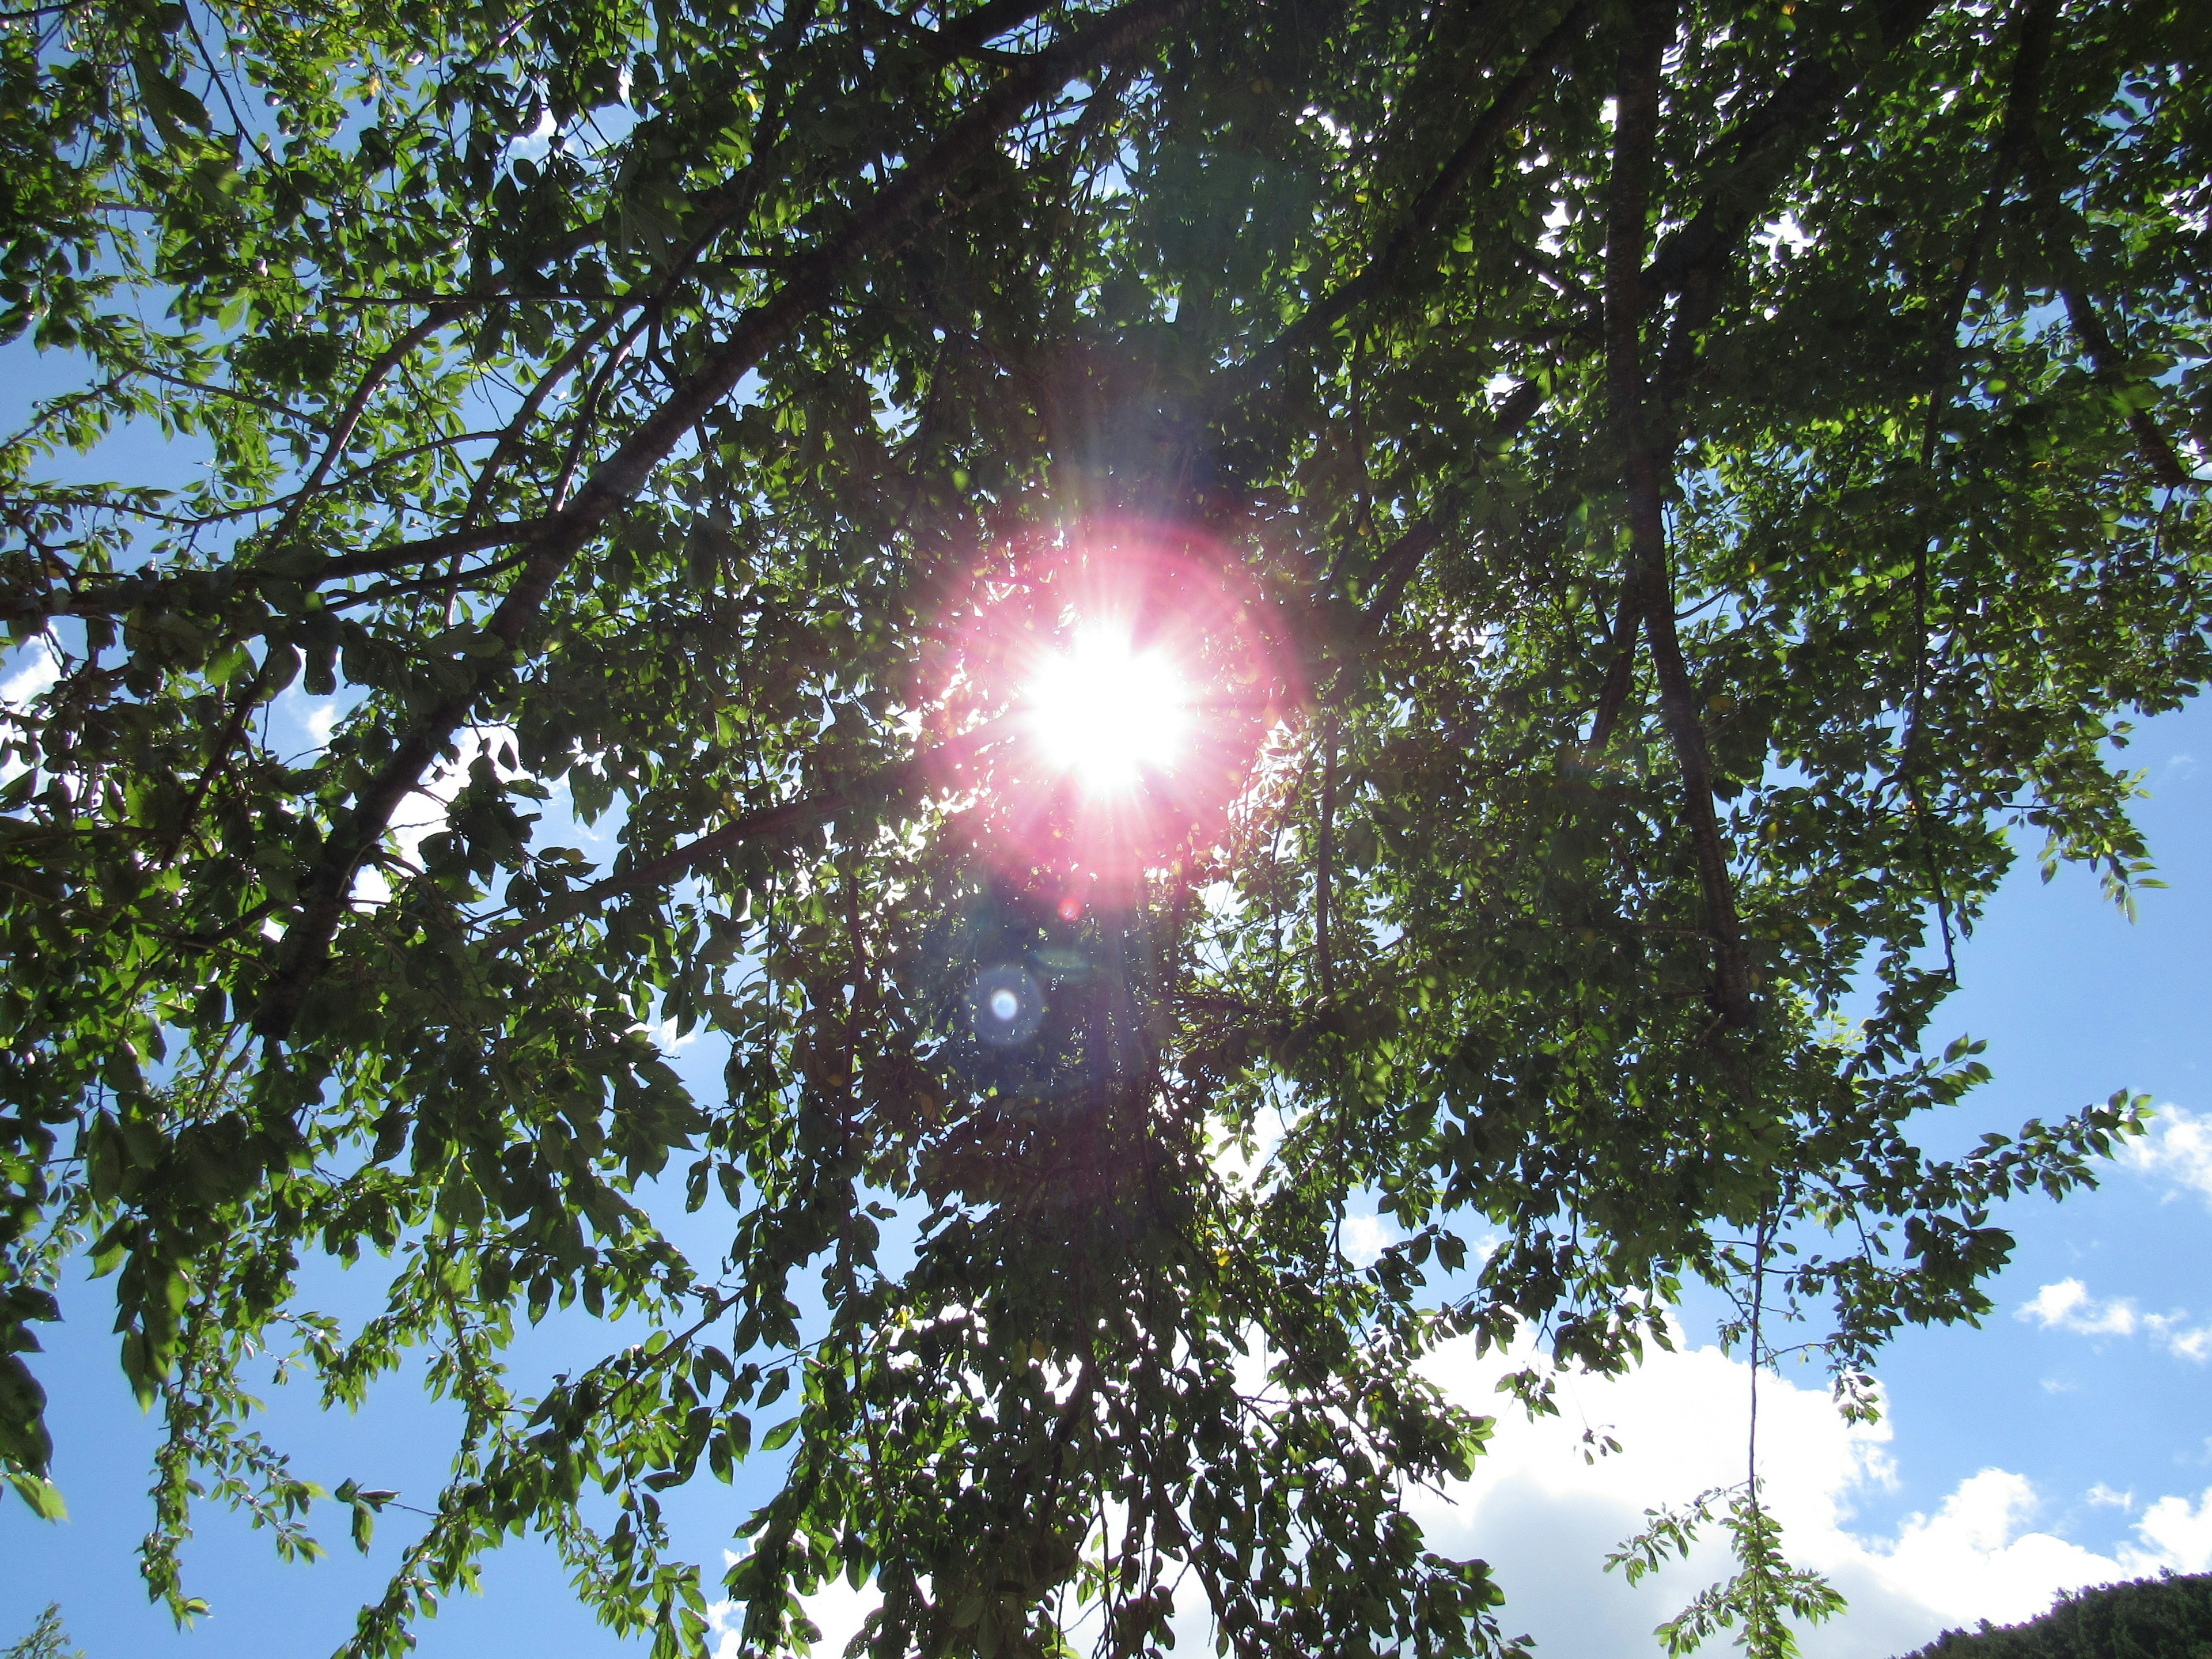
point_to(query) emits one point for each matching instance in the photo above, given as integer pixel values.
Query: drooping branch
(813, 280)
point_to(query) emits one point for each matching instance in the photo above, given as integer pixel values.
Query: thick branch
(1678, 708)
(1691, 263)
(1620, 671)
(814, 278)
(964, 37)
(1649, 587)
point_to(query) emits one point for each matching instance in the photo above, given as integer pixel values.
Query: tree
(46, 1639)
(2148, 1619)
(1634, 505)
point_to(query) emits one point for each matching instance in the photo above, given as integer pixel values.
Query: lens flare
(1103, 689)
(1108, 712)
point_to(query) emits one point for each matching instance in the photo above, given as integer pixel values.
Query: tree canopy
(2168, 1617)
(1631, 511)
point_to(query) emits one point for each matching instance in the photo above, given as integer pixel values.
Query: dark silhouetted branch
(1644, 462)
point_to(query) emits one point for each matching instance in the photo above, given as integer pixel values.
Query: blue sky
(2064, 1442)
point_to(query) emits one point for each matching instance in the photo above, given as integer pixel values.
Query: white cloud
(1365, 1237)
(2178, 1148)
(423, 813)
(320, 720)
(2176, 1535)
(1544, 1517)
(2067, 1305)
(40, 667)
(837, 1609)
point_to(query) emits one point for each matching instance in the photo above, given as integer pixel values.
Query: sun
(1108, 712)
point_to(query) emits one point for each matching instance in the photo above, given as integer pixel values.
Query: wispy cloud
(2068, 1306)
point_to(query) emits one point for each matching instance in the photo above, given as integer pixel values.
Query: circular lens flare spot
(1109, 712)
(1008, 1005)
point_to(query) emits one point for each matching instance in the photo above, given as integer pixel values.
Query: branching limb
(2018, 133)
(349, 417)
(814, 279)
(1751, 161)
(526, 411)
(1649, 581)
(1422, 219)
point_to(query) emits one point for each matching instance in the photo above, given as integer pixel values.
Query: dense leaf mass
(1654, 501)
(2163, 1618)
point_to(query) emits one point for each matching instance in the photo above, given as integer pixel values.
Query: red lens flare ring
(1134, 668)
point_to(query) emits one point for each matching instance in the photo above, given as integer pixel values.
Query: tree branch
(2029, 59)
(814, 279)
(2088, 327)
(2019, 131)
(1748, 165)
(784, 818)
(1402, 562)
(341, 429)
(1422, 218)
(1621, 671)
(1648, 588)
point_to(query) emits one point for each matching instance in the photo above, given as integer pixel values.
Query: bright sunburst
(1107, 711)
